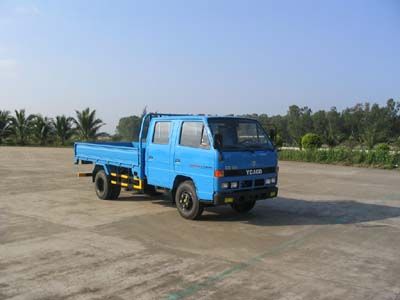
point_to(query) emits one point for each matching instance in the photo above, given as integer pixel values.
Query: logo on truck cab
(254, 171)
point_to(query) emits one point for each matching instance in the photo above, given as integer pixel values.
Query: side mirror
(218, 145)
(218, 141)
(272, 134)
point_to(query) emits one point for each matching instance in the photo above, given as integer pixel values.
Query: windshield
(239, 134)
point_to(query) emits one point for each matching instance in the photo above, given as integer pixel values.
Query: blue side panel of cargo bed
(116, 154)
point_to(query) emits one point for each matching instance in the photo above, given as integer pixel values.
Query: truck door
(158, 158)
(194, 158)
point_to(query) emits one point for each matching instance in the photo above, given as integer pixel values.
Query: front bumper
(222, 198)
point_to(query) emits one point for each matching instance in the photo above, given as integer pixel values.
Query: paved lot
(334, 233)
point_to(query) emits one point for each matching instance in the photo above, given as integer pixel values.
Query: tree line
(363, 125)
(25, 129)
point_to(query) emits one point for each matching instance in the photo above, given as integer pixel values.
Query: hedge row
(372, 158)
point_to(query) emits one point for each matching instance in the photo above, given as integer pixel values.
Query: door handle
(151, 157)
(177, 160)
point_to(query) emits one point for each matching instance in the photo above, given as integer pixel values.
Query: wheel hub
(185, 200)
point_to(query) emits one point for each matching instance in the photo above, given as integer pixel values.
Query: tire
(115, 191)
(243, 206)
(186, 201)
(103, 187)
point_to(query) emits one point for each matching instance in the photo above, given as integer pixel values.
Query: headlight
(225, 185)
(268, 181)
(273, 180)
(234, 185)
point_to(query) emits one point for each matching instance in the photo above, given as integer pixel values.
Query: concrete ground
(334, 233)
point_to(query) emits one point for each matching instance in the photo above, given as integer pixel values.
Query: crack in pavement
(211, 280)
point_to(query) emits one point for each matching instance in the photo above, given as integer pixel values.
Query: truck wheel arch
(98, 168)
(177, 181)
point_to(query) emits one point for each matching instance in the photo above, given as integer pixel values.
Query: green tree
(264, 121)
(352, 119)
(374, 125)
(87, 125)
(320, 125)
(294, 129)
(128, 128)
(280, 123)
(21, 126)
(63, 128)
(334, 130)
(383, 147)
(42, 129)
(393, 111)
(5, 124)
(299, 122)
(311, 141)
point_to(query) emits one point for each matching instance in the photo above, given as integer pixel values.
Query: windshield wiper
(235, 148)
(247, 148)
(262, 147)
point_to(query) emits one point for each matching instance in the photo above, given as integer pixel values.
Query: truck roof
(192, 117)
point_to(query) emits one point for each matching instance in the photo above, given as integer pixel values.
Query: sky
(205, 56)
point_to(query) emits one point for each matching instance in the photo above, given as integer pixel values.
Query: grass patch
(342, 156)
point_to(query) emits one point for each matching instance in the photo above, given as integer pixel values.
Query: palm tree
(5, 122)
(42, 128)
(21, 126)
(87, 126)
(63, 128)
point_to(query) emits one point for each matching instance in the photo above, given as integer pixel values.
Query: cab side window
(194, 134)
(161, 133)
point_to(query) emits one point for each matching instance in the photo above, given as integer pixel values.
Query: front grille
(259, 182)
(246, 183)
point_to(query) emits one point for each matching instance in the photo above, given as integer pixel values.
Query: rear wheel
(187, 202)
(103, 187)
(115, 191)
(243, 206)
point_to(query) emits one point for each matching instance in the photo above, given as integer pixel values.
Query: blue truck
(200, 160)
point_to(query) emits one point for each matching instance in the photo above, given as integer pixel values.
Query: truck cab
(201, 160)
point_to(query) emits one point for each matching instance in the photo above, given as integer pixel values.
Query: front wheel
(186, 201)
(243, 206)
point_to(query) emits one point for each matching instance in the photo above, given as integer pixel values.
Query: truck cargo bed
(118, 153)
